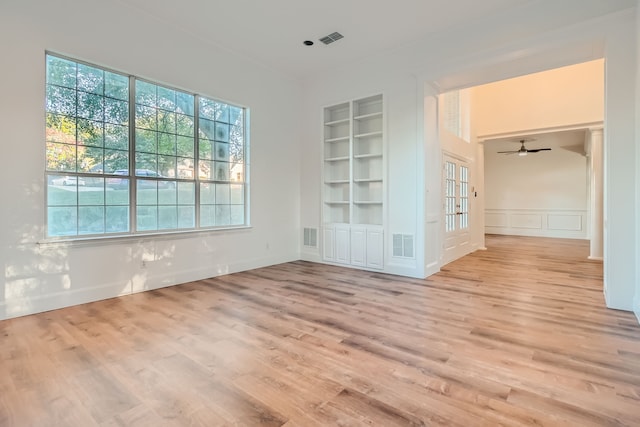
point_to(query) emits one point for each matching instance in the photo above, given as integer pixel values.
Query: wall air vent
(310, 237)
(331, 38)
(403, 246)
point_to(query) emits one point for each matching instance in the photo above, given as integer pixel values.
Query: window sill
(137, 238)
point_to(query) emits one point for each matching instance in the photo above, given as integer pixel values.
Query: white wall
(636, 305)
(621, 177)
(522, 41)
(42, 277)
(571, 95)
(542, 194)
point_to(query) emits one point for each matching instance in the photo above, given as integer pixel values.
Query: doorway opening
(553, 190)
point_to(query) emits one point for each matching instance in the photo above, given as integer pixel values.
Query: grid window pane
(206, 170)
(186, 216)
(237, 215)
(184, 146)
(222, 194)
(464, 197)
(167, 166)
(116, 111)
(62, 221)
(61, 72)
(186, 193)
(61, 100)
(117, 219)
(116, 86)
(167, 194)
(91, 220)
(223, 215)
(90, 79)
(147, 218)
(207, 193)
(207, 215)
(237, 194)
(89, 152)
(222, 132)
(147, 191)
(167, 217)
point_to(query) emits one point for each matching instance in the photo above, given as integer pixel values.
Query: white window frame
(79, 178)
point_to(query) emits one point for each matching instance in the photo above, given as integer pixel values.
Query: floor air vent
(331, 38)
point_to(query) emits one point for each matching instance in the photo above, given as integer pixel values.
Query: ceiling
(272, 32)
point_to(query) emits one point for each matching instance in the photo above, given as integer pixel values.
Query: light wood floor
(515, 335)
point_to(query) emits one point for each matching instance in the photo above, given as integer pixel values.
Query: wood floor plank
(516, 335)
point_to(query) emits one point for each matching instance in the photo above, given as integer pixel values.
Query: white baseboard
(23, 306)
(311, 257)
(403, 270)
(146, 281)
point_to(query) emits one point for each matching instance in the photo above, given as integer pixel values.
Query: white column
(477, 195)
(596, 177)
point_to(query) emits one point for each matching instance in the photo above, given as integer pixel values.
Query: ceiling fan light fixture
(523, 150)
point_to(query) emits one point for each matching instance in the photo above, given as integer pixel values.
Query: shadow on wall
(44, 276)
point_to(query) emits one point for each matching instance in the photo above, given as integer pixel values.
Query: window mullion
(196, 157)
(132, 155)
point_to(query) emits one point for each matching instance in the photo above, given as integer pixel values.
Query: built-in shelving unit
(353, 180)
(337, 158)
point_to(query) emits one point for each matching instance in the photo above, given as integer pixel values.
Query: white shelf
(367, 202)
(367, 180)
(368, 134)
(337, 181)
(336, 159)
(338, 139)
(337, 122)
(367, 156)
(368, 116)
(337, 202)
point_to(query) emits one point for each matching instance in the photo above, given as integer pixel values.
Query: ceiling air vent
(331, 38)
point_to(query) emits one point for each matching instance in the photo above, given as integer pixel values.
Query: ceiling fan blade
(507, 152)
(535, 150)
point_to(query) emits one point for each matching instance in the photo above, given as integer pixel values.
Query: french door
(455, 209)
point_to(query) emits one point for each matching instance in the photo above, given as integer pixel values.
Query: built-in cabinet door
(329, 243)
(375, 248)
(359, 246)
(342, 244)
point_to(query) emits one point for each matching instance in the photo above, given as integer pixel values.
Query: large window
(128, 156)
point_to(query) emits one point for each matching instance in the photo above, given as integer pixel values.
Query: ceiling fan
(523, 150)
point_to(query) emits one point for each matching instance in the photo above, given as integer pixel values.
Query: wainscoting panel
(495, 219)
(537, 222)
(565, 222)
(533, 220)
